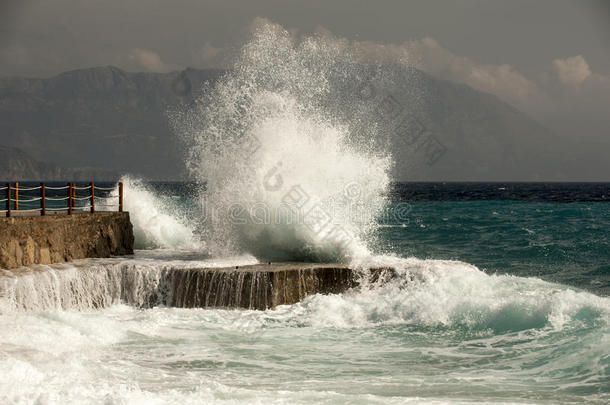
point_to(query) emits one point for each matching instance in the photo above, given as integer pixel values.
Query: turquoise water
(567, 243)
(496, 302)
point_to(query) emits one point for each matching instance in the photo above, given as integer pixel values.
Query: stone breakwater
(99, 283)
(28, 280)
(25, 241)
(258, 286)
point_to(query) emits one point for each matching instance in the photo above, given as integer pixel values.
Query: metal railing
(55, 199)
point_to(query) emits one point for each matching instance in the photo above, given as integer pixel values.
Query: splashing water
(158, 222)
(440, 331)
(288, 174)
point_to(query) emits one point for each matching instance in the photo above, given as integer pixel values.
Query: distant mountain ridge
(100, 117)
(116, 121)
(16, 165)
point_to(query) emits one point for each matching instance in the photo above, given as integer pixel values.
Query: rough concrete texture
(87, 284)
(259, 286)
(53, 239)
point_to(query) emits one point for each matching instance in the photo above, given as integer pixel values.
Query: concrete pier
(52, 239)
(26, 243)
(83, 285)
(258, 286)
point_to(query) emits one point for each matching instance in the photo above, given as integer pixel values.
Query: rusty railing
(51, 199)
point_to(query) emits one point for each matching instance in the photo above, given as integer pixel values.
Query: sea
(503, 298)
(501, 294)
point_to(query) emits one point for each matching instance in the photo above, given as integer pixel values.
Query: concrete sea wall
(99, 283)
(25, 241)
(259, 286)
(27, 244)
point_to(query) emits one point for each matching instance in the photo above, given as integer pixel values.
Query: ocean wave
(430, 316)
(158, 222)
(450, 294)
(294, 164)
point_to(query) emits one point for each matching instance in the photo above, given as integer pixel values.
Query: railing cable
(21, 200)
(57, 188)
(106, 198)
(28, 188)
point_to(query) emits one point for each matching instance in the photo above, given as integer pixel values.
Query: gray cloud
(572, 71)
(148, 60)
(428, 55)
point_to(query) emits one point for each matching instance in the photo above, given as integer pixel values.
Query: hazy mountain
(100, 117)
(114, 120)
(16, 165)
(449, 131)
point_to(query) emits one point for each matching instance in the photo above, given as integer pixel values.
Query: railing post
(43, 208)
(8, 199)
(69, 198)
(92, 197)
(16, 196)
(120, 196)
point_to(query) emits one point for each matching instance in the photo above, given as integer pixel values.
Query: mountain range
(112, 122)
(15, 164)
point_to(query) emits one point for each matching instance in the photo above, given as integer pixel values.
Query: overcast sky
(550, 58)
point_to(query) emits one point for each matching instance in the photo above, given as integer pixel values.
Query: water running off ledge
(100, 284)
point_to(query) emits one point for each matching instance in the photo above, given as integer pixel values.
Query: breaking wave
(158, 221)
(292, 158)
